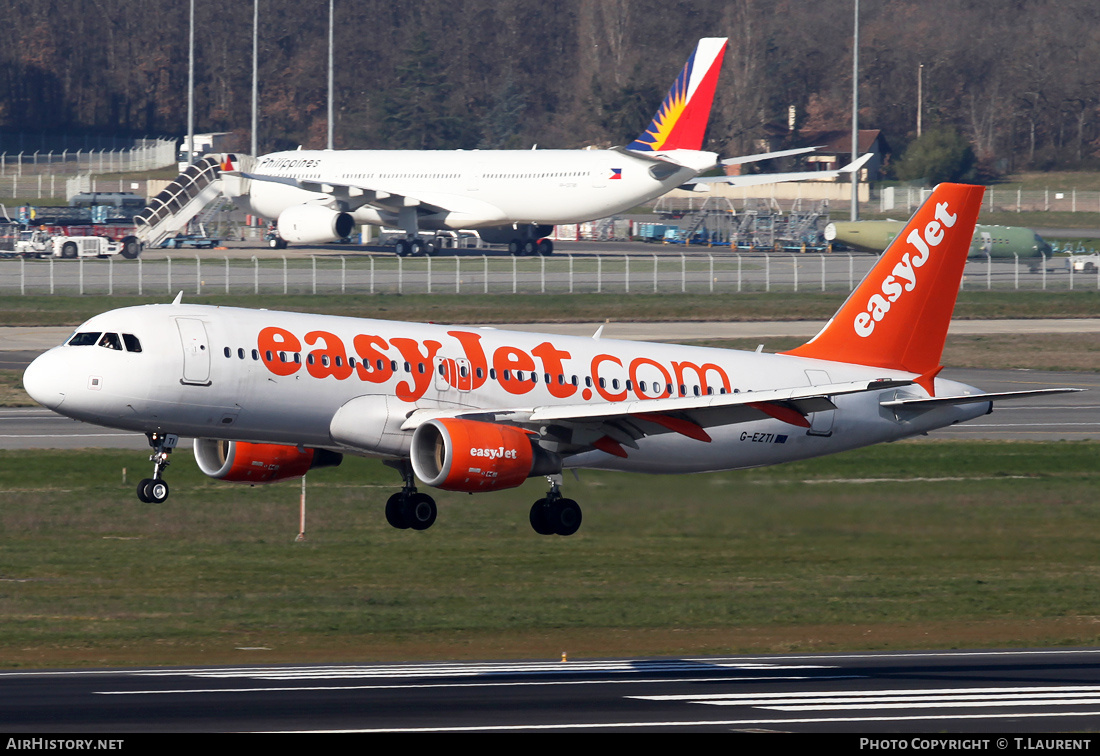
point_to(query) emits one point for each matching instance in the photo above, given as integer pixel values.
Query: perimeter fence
(494, 274)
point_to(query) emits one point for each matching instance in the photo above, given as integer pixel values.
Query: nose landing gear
(155, 490)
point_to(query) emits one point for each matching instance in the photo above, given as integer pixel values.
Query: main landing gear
(555, 515)
(409, 508)
(405, 247)
(552, 515)
(155, 490)
(530, 247)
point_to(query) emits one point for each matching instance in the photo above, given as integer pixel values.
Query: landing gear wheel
(530, 247)
(565, 517)
(420, 511)
(540, 521)
(402, 248)
(545, 247)
(152, 491)
(131, 247)
(395, 512)
(515, 247)
(157, 491)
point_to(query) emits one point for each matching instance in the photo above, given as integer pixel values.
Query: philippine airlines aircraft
(509, 196)
(270, 395)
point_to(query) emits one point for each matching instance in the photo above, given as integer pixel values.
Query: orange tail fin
(897, 317)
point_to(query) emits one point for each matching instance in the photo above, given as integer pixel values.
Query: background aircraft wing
(766, 156)
(777, 178)
(357, 195)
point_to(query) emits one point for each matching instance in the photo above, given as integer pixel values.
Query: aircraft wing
(609, 426)
(778, 178)
(357, 195)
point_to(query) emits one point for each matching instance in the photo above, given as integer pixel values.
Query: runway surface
(1004, 692)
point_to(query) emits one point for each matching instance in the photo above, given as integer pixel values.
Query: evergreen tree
(939, 155)
(416, 110)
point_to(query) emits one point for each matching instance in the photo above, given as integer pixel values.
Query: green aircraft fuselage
(994, 241)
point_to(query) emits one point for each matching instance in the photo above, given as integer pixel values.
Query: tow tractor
(40, 243)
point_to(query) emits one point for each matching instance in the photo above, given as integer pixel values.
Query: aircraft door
(987, 243)
(821, 423)
(453, 378)
(196, 352)
(473, 177)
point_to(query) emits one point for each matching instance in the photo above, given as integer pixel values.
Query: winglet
(855, 165)
(681, 121)
(897, 317)
(179, 298)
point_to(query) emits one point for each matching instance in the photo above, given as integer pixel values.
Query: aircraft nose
(44, 381)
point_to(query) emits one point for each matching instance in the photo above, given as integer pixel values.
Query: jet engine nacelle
(314, 224)
(468, 455)
(243, 462)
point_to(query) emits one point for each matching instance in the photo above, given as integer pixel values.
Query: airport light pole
(920, 96)
(191, 86)
(330, 14)
(855, 114)
(255, 74)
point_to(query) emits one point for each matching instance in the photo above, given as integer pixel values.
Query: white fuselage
(471, 189)
(204, 371)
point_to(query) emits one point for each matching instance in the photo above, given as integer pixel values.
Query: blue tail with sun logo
(682, 118)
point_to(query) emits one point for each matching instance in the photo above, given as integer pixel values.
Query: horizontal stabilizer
(924, 404)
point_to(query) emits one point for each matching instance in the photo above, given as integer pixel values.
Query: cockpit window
(132, 343)
(88, 338)
(111, 341)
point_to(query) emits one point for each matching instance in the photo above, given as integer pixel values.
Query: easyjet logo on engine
(903, 278)
(498, 453)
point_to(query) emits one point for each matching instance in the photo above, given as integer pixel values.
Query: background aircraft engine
(314, 224)
(242, 462)
(467, 455)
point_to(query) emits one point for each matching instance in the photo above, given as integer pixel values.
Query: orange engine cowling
(243, 462)
(468, 455)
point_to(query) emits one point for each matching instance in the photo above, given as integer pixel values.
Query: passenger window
(131, 342)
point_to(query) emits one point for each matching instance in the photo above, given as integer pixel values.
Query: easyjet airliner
(512, 197)
(270, 395)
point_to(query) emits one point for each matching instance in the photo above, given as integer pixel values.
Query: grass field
(910, 545)
(905, 546)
